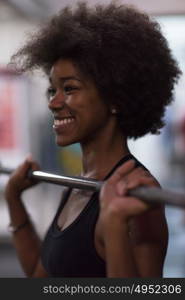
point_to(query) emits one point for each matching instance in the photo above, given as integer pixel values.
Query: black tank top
(71, 252)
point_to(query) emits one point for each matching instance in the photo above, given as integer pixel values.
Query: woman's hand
(18, 180)
(114, 199)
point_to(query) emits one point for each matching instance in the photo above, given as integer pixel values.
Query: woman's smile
(63, 123)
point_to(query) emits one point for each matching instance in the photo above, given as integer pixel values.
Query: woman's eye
(50, 92)
(69, 88)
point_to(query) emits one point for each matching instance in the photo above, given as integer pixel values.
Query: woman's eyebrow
(69, 78)
(63, 79)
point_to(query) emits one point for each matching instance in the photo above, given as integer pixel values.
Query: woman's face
(79, 112)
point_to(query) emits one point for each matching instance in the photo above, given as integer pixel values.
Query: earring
(113, 111)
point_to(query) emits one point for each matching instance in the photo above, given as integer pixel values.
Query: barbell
(150, 195)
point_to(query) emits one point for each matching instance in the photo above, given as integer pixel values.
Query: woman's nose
(57, 101)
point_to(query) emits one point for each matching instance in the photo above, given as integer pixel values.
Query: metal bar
(4, 170)
(70, 181)
(75, 182)
(151, 195)
(155, 195)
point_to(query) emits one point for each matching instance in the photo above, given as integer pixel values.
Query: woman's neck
(99, 158)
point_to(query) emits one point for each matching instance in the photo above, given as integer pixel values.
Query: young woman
(111, 76)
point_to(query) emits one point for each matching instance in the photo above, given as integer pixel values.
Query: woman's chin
(63, 142)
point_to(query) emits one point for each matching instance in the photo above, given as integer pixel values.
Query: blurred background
(26, 126)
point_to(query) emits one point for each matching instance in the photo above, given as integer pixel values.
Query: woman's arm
(120, 261)
(149, 237)
(26, 240)
(134, 234)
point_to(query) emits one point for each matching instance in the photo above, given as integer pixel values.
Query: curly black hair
(121, 49)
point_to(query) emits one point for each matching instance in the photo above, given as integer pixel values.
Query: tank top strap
(119, 163)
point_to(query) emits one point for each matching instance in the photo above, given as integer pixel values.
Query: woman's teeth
(63, 121)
